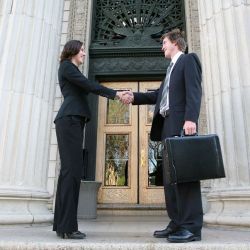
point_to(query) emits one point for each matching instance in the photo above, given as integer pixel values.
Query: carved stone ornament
(133, 23)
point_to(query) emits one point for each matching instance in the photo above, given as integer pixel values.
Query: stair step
(131, 209)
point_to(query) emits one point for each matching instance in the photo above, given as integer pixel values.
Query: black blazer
(184, 98)
(75, 88)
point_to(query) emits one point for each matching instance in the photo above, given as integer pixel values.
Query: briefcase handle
(182, 134)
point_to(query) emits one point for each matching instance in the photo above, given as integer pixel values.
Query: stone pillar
(29, 44)
(225, 39)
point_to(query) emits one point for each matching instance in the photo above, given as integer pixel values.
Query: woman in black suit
(70, 121)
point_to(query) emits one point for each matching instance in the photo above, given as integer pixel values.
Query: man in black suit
(177, 107)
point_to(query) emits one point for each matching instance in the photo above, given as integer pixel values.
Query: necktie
(164, 104)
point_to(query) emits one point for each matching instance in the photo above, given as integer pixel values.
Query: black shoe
(183, 236)
(164, 233)
(74, 235)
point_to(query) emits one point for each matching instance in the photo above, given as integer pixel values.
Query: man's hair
(176, 36)
(71, 48)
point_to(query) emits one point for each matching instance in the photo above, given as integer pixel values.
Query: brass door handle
(143, 158)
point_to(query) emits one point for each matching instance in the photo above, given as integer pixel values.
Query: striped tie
(164, 104)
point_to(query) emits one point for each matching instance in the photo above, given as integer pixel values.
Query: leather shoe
(183, 236)
(163, 233)
(74, 235)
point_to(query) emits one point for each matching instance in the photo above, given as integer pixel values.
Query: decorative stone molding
(135, 23)
(128, 66)
(80, 22)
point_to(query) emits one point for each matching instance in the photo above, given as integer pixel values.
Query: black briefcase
(193, 158)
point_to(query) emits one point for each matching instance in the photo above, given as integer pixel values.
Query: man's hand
(189, 127)
(126, 97)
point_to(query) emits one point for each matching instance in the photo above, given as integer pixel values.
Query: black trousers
(183, 202)
(69, 132)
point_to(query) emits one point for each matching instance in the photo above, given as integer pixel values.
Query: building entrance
(129, 164)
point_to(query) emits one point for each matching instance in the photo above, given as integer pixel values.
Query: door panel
(150, 162)
(117, 148)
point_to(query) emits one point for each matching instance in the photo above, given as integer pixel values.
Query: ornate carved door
(128, 163)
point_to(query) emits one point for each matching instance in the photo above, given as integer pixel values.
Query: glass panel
(117, 112)
(155, 163)
(116, 160)
(150, 113)
(150, 110)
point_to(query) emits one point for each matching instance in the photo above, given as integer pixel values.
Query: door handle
(143, 158)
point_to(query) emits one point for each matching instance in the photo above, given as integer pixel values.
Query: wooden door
(128, 163)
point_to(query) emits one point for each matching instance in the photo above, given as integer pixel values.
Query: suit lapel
(178, 60)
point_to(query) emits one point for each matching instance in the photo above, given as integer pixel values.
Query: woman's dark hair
(71, 48)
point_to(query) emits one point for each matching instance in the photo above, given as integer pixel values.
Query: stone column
(225, 39)
(29, 44)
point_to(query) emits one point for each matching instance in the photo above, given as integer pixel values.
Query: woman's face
(79, 58)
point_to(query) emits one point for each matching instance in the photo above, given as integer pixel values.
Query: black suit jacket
(75, 88)
(184, 98)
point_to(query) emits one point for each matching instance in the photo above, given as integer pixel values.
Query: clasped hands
(126, 96)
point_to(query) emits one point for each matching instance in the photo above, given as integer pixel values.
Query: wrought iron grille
(135, 22)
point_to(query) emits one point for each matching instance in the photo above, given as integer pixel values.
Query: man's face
(168, 48)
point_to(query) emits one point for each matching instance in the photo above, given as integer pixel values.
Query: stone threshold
(131, 209)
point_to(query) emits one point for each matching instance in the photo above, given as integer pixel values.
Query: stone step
(122, 246)
(118, 232)
(131, 209)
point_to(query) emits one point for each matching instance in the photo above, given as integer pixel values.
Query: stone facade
(78, 15)
(204, 22)
(217, 31)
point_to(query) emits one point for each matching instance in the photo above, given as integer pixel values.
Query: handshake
(126, 96)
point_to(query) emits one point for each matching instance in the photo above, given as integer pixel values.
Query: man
(177, 107)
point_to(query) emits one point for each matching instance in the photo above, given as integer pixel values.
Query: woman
(70, 122)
